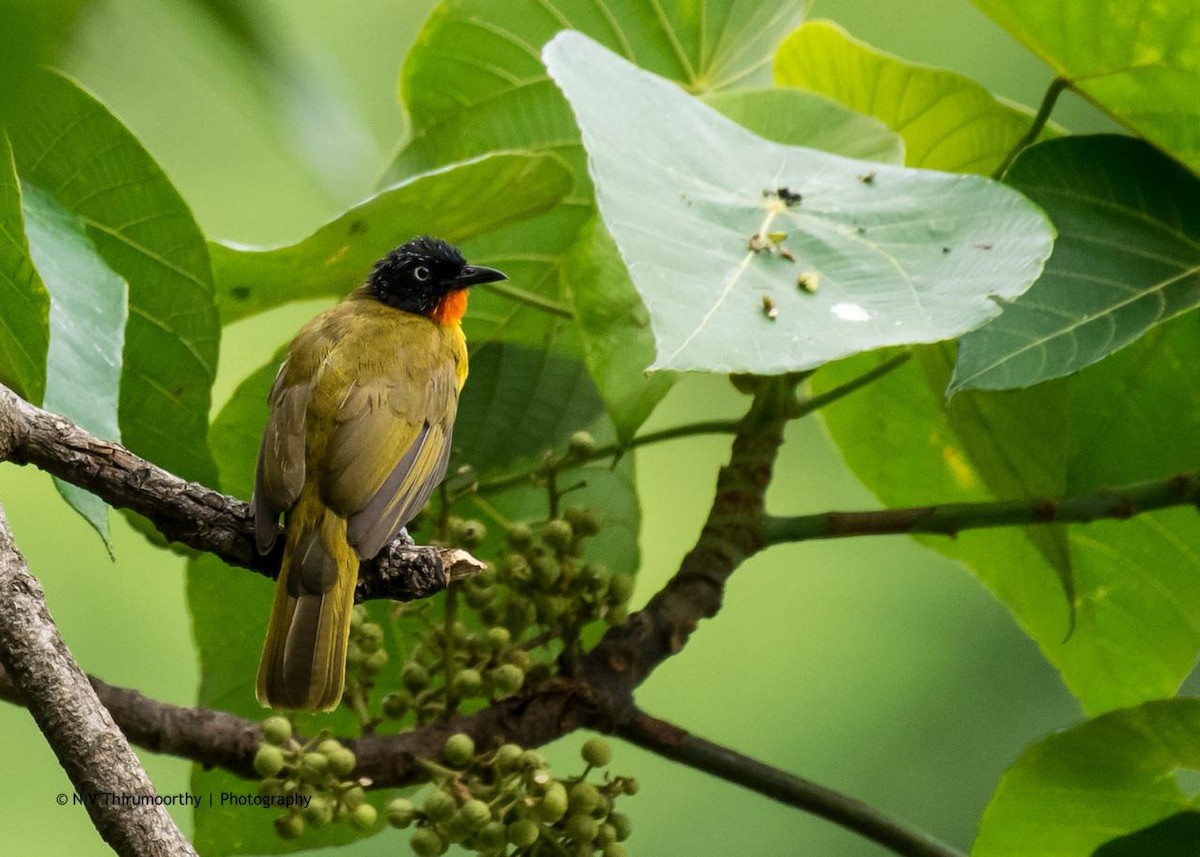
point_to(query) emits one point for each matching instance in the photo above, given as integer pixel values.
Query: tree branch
(105, 772)
(951, 518)
(196, 516)
(669, 741)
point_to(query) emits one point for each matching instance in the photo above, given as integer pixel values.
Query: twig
(196, 516)
(949, 519)
(105, 772)
(1035, 128)
(671, 742)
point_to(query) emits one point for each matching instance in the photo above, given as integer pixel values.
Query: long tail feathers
(304, 657)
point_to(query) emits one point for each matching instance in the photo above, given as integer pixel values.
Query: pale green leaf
(1127, 258)
(69, 145)
(24, 304)
(947, 120)
(455, 203)
(1140, 62)
(88, 306)
(900, 255)
(1073, 792)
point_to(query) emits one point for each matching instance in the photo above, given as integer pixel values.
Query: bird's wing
(279, 475)
(388, 450)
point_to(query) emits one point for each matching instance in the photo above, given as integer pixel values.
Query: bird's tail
(304, 657)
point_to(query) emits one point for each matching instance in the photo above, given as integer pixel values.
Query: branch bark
(105, 772)
(191, 514)
(672, 742)
(949, 519)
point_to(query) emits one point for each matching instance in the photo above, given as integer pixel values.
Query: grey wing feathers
(279, 475)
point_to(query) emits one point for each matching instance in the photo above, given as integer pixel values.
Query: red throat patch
(451, 308)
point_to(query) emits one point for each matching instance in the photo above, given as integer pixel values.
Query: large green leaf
(461, 106)
(1127, 258)
(901, 255)
(68, 145)
(948, 121)
(1072, 792)
(24, 303)
(88, 306)
(1136, 583)
(456, 203)
(1140, 62)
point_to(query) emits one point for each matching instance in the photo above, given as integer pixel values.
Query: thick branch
(88, 744)
(193, 515)
(952, 518)
(670, 741)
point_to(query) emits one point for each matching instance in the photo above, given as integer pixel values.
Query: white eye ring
(421, 273)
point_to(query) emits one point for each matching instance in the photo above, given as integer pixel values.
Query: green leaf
(800, 118)
(901, 255)
(948, 121)
(68, 145)
(615, 326)
(1136, 595)
(518, 402)
(1175, 836)
(88, 306)
(1127, 258)
(456, 203)
(24, 303)
(1139, 62)
(461, 107)
(1072, 792)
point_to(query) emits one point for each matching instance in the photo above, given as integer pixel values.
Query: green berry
(357, 616)
(376, 661)
(620, 588)
(518, 658)
(313, 765)
(468, 682)
(471, 533)
(270, 787)
(498, 637)
(479, 597)
(584, 799)
(363, 817)
(268, 761)
(401, 812)
(607, 834)
(492, 837)
(522, 833)
(459, 750)
(519, 536)
(438, 806)
(615, 849)
(414, 677)
(585, 521)
(276, 730)
(475, 814)
(354, 797)
(553, 804)
(582, 828)
(596, 752)
(426, 842)
(317, 812)
(507, 756)
(616, 615)
(507, 679)
(342, 761)
(558, 534)
(532, 760)
(370, 637)
(581, 444)
(629, 785)
(289, 826)
(396, 704)
(546, 571)
(620, 822)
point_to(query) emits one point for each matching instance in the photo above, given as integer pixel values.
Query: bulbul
(361, 416)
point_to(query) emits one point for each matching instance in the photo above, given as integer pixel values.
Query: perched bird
(361, 415)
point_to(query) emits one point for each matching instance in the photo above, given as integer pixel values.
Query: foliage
(659, 205)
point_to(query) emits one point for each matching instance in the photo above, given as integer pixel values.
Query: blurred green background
(875, 667)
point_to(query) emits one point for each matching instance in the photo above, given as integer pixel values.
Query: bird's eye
(421, 273)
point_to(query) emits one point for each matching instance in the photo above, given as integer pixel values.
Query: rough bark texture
(106, 773)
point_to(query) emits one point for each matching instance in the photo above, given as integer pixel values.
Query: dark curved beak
(474, 275)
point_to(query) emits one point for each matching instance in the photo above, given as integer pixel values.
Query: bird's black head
(418, 275)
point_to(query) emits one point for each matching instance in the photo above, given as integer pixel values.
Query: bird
(361, 416)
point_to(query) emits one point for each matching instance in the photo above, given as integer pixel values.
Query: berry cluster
(489, 802)
(315, 770)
